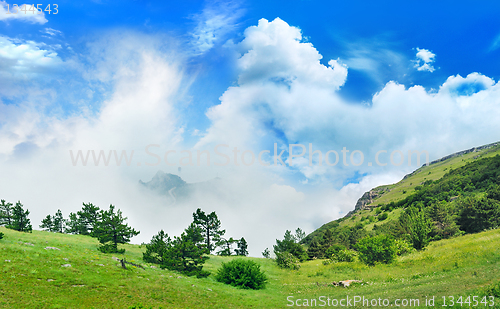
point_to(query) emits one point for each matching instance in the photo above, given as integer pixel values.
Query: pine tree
(315, 250)
(210, 228)
(54, 223)
(20, 221)
(187, 253)
(266, 253)
(158, 248)
(5, 213)
(111, 231)
(74, 225)
(299, 234)
(288, 244)
(327, 240)
(242, 247)
(89, 217)
(225, 245)
(47, 224)
(58, 222)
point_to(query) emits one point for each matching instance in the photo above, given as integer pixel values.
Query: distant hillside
(373, 202)
(177, 189)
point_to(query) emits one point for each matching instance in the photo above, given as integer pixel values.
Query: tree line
(108, 226)
(188, 252)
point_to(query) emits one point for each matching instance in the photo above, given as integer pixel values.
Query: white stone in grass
(7, 260)
(66, 265)
(52, 248)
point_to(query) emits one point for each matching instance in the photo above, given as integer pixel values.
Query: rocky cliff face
(366, 199)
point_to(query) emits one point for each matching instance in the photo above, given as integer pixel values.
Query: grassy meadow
(33, 277)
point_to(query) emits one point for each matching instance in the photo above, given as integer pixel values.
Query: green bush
(376, 249)
(345, 256)
(242, 273)
(339, 253)
(382, 216)
(1, 235)
(333, 250)
(403, 247)
(287, 260)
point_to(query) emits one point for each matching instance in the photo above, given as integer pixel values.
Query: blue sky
(189, 75)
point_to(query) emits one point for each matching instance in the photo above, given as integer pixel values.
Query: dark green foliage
(289, 245)
(226, 246)
(478, 214)
(47, 223)
(344, 256)
(54, 223)
(334, 250)
(327, 240)
(90, 215)
(299, 235)
(157, 249)
(84, 221)
(74, 225)
(382, 216)
(376, 249)
(242, 273)
(494, 192)
(5, 213)
(242, 247)
(266, 253)
(186, 254)
(19, 220)
(112, 230)
(210, 227)
(1, 235)
(315, 251)
(443, 219)
(417, 226)
(287, 260)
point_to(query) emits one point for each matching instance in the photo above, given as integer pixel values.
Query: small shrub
(333, 250)
(242, 273)
(345, 256)
(403, 247)
(382, 217)
(287, 260)
(376, 249)
(1, 235)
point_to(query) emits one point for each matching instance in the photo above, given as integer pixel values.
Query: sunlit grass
(35, 278)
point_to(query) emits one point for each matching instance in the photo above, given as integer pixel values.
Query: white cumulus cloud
(24, 58)
(424, 60)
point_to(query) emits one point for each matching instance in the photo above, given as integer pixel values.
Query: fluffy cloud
(213, 23)
(21, 16)
(424, 60)
(285, 95)
(20, 58)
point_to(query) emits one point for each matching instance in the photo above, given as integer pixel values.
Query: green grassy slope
(34, 277)
(402, 189)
